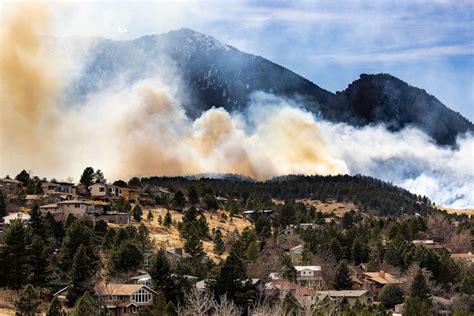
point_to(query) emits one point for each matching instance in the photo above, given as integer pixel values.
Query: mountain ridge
(216, 74)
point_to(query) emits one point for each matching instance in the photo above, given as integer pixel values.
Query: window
(142, 296)
(77, 205)
(101, 189)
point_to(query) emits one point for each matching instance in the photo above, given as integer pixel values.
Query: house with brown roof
(62, 210)
(123, 299)
(428, 244)
(375, 281)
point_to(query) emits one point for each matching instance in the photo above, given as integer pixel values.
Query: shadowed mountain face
(214, 74)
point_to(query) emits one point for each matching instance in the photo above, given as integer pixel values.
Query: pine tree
(28, 301)
(219, 245)
(149, 216)
(76, 234)
(359, 251)
(193, 246)
(179, 199)
(37, 222)
(137, 213)
(263, 227)
(252, 251)
(419, 288)
(342, 278)
(38, 262)
(160, 271)
(87, 176)
(99, 177)
(86, 306)
(193, 197)
(81, 272)
(168, 220)
(55, 308)
(231, 281)
(391, 295)
(125, 257)
(15, 255)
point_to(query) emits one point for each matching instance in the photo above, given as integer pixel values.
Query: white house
(144, 279)
(104, 190)
(23, 217)
(61, 210)
(309, 276)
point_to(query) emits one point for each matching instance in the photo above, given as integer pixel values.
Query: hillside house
(105, 191)
(175, 254)
(162, 193)
(18, 216)
(144, 279)
(375, 281)
(280, 288)
(352, 296)
(10, 186)
(61, 210)
(124, 299)
(251, 214)
(42, 199)
(296, 253)
(309, 276)
(59, 188)
(428, 244)
(131, 195)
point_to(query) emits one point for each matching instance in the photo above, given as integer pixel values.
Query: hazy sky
(429, 44)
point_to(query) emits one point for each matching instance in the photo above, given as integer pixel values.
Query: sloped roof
(119, 289)
(382, 278)
(343, 293)
(312, 268)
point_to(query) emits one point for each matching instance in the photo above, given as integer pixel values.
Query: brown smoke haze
(28, 87)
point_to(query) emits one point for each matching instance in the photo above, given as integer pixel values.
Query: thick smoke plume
(142, 130)
(28, 86)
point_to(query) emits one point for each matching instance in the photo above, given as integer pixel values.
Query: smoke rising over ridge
(141, 129)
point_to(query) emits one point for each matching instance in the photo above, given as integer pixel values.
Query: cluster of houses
(92, 203)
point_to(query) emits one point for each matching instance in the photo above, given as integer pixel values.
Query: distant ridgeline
(368, 194)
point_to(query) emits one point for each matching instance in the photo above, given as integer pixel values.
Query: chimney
(382, 274)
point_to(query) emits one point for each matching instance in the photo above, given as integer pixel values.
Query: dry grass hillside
(169, 237)
(338, 208)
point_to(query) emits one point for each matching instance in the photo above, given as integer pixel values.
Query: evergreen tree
(37, 222)
(28, 301)
(467, 283)
(168, 220)
(137, 213)
(55, 308)
(160, 271)
(459, 311)
(3, 205)
(38, 262)
(121, 206)
(23, 177)
(287, 214)
(290, 271)
(109, 238)
(86, 306)
(414, 306)
(219, 245)
(87, 176)
(391, 295)
(419, 288)
(125, 257)
(81, 272)
(342, 278)
(193, 246)
(231, 281)
(263, 227)
(15, 255)
(336, 248)
(252, 251)
(149, 216)
(359, 251)
(179, 199)
(193, 197)
(76, 234)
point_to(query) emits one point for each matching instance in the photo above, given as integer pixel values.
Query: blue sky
(429, 44)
